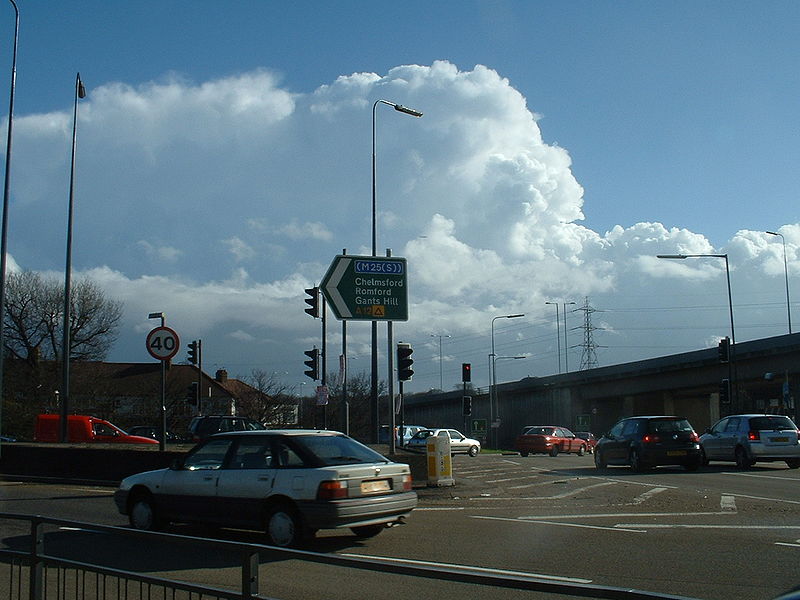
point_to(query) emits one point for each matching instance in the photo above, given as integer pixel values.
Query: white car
(288, 483)
(459, 443)
(751, 438)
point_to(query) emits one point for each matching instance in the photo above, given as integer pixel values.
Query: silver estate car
(752, 438)
(287, 483)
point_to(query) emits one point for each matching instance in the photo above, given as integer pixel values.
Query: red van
(83, 428)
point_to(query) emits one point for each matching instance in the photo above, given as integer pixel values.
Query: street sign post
(367, 288)
(163, 343)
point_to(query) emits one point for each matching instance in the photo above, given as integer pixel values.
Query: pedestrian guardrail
(29, 572)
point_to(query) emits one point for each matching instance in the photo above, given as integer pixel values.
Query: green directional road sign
(368, 288)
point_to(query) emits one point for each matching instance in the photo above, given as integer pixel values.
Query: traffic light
(466, 405)
(313, 302)
(724, 349)
(725, 391)
(466, 372)
(193, 352)
(312, 363)
(191, 393)
(404, 362)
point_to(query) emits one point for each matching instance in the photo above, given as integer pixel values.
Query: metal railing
(34, 574)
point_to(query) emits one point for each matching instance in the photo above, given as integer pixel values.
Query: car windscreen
(771, 423)
(337, 450)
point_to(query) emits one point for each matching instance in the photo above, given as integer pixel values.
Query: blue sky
(224, 160)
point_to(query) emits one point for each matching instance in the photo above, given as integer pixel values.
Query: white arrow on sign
(331, 286)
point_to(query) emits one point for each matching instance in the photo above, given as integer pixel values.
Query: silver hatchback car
(751, 438)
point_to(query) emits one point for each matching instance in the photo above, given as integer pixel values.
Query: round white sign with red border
(163, 343)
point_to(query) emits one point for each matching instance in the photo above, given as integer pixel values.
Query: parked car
(408, 431)
(591, 440)
(459, 443)
(83, 428)
(153, 432)
(204, 426)
(288, 483)
(548, 439)
(751, 438)
(649, 441)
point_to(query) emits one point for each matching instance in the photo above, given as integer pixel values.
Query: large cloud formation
(218, 202)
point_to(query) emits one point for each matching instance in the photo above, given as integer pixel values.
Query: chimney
(222, 375)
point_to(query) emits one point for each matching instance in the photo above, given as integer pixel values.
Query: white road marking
(579, 525)
(683, 526)
(727, 503)
(768, 499)
(469, 568)
(648, 494)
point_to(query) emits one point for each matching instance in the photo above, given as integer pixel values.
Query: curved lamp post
(493, 370)
(6, 190)
(374, 377)
(80, 92)
(786, 275)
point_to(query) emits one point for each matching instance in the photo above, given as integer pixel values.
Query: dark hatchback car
(649, 441)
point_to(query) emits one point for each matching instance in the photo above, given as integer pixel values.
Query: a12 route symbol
(163, 343)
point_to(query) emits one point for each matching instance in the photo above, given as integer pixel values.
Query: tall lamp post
(731, 364)
(80, 92)
(441, 372)
(786, 275)
(6, 190)
(558, 334)
(374, 365)
(493, 371)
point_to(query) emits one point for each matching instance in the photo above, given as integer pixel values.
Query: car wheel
(635, 461)
(793, 463)
(284, 526)
(742, 461)
(142, 514)
(554, 451)
(599, 460)
(368, 531)
(523, 454)
(473, 451)
(582, 450)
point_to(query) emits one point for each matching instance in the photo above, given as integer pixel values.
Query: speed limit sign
(163, 343)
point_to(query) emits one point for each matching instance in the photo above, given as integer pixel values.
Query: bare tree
(34, 318)
(267, 400)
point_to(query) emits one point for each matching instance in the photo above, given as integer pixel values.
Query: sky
(224, 159)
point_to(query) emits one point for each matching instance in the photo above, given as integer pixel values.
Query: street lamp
(374, 377)
(80, 92)
(162, 442)
(786, 275)
(493, 370)
(441, 375)
(558, 334)
(6, 190)
(727, 274)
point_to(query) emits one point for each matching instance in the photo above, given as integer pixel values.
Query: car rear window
(771, 423)
(539, 431)
(338, 450)
(668, 425)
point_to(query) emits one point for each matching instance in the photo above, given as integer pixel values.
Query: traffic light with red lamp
(466, 372)
(404, 362)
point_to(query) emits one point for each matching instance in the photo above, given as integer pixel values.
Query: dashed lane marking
(648, 494)
(578, 525)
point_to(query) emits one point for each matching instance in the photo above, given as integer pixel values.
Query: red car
(549, 439)
(591, 441)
